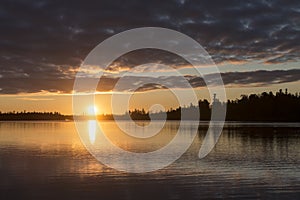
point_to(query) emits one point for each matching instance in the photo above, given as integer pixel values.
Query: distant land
(264, 107)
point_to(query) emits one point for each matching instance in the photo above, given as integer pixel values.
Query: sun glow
(92, 110)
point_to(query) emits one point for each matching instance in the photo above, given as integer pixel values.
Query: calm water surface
(46, 160)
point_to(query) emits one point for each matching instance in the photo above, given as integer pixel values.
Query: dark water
(46, 160)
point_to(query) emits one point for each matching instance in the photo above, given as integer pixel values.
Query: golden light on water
(92, 130)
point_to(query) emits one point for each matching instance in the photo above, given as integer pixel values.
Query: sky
(255, 44)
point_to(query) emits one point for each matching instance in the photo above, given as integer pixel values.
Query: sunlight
(92, 130)
(92, 110)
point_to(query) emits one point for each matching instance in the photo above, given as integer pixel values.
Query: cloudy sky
(255, 44)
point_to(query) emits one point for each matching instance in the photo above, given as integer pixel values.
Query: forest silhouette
(279, 107)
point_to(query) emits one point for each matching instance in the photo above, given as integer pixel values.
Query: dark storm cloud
(142, 84)
(256, 78)
(49, 39)
(230, 79)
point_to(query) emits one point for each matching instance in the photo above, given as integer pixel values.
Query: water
(46, 160)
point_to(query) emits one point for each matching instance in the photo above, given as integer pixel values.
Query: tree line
(281, 107)
(267, 106)
(14, 116)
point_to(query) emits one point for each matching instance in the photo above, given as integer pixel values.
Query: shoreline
(146, 120)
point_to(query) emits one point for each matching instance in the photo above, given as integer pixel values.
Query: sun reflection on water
(92, 130)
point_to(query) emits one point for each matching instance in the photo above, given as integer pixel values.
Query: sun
(92, 110)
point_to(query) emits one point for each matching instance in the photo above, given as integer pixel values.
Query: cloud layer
(42, 43)
(230, 79)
